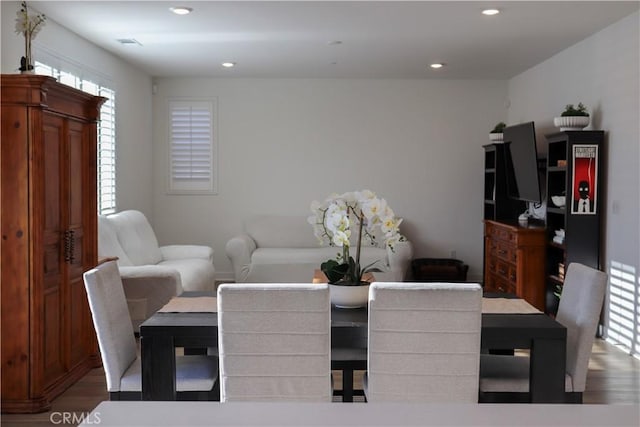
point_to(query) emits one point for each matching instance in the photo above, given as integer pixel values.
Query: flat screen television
(521, 157)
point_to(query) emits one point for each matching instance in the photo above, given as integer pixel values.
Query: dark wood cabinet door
(77, 314)
(48, 169)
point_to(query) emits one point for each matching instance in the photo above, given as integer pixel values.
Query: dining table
(545, 338)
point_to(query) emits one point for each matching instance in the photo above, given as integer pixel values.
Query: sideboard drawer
(505, 286)
(507, 235)
(504, 233)
(492, 265)
(495, 283)
(505, 252)
(506, 271)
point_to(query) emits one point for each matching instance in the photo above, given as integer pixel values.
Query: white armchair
(152, 274)
(283, 249)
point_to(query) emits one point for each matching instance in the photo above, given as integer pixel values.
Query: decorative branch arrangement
(29, 25)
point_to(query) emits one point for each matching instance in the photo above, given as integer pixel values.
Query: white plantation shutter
(191, 147)
(106, 130)
(107, 154)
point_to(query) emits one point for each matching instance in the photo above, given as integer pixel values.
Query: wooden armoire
(49, 238)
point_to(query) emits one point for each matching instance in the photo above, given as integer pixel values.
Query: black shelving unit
(574, 157)
(497, 205)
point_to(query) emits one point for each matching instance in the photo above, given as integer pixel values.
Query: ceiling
(293, 39)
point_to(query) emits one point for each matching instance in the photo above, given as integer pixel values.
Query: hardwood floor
(614, 378)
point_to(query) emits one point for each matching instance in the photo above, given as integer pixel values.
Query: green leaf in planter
(334, 270)
(570, 110)
(369, 268)
(499, 127)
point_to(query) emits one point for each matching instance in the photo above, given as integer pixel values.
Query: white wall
(284, 143)
(133, 99)
(603, 72)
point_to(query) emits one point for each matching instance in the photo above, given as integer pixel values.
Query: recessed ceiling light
(228, 64)
(181, 10)
(437, 65)
(490, 12)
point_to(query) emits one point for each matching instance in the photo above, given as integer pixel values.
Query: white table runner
(507, 306)
(190, 305)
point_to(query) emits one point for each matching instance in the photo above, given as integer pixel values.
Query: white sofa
(152, 274)
(283, 249)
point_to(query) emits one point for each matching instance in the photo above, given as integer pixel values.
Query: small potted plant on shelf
(573, 118)
(496, 133)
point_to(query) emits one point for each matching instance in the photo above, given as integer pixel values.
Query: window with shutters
(192, 153)
(106, 129)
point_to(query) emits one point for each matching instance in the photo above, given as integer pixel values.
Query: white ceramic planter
(496, 137)
(571, 122)
(349, 296)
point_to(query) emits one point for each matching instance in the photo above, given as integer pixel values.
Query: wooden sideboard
(49, 238)
(515, 260)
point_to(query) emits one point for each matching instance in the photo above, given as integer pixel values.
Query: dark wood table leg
(159, 373)
(347, 385)
(547, 371)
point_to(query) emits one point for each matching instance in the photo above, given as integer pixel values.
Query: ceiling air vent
(129, 41)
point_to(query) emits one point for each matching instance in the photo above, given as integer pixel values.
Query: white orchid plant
(333, 221)
(28, 24)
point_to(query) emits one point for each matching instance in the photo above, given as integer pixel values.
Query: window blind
(107, 154)
(191, 146)
(106, 133)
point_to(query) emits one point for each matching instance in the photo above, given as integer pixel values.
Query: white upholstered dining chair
(274, 342)
(424, 342)
(196, 376)
(506, 378)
